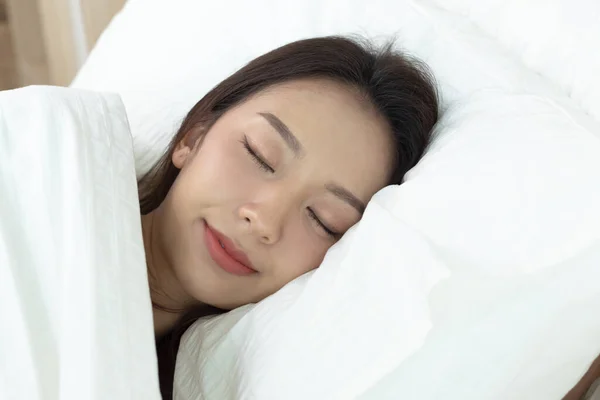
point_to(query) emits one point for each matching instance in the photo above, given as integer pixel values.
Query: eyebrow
(283, 130)
(347, 196)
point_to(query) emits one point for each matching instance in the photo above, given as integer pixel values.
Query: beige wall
(52, 38)
(96, 15)
(61, 38)
(28, 44)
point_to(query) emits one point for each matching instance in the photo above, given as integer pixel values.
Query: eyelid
(321, 224)
(256, 156)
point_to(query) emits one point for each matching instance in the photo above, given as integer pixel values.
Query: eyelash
(262, 164)
(314, 217)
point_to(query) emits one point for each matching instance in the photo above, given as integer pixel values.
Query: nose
(264, 220)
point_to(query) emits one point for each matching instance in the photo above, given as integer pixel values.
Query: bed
(496, 295)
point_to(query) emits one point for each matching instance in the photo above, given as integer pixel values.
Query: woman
(270, 169)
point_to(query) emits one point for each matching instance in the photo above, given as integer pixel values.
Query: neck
(169, 300)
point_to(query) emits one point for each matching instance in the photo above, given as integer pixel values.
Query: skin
(579, 390)
(264, 209)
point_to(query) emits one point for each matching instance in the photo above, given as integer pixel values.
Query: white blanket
(75, 312)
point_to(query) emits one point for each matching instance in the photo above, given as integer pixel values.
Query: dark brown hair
(400, 88)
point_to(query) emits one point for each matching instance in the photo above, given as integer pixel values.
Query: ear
(187, 146)
(181, 154)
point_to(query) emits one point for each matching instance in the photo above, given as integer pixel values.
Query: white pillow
(75, 313)
(471, 226)
(508, 198)
(161, 73)
(557, 38)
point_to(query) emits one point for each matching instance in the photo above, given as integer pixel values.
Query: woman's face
(273, 184)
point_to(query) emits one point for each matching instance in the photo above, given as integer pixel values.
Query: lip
(228, 258)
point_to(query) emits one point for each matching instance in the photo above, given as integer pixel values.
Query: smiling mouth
(224, 254)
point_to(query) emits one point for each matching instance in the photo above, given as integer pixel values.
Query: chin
(208, 287)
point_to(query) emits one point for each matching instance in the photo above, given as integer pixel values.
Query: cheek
(300, 251)
(220, 172)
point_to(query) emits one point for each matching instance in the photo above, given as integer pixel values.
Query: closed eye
(321, 225)
(262, 164)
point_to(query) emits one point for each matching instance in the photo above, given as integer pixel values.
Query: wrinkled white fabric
(75, 307)
(509, 199)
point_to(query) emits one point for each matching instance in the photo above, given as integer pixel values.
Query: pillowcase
(507, 197)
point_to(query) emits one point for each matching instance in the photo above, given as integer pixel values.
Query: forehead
(344, 138)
